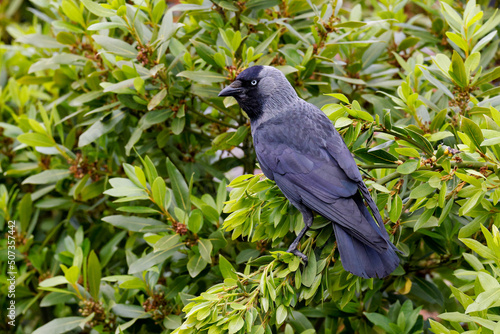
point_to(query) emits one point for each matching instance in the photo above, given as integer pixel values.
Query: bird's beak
(233, 89)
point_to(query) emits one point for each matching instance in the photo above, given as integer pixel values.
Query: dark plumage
(298, 147)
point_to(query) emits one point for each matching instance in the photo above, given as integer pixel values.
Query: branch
(210, 118)
(380, 166)
(217, 108)
(464, 164)
(389, 178)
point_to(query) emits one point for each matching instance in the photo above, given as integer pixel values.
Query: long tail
(360, 259)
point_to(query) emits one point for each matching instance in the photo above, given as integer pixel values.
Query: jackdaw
(298, 147)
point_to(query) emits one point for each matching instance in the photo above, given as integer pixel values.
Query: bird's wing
(312, 166)
(343, 156)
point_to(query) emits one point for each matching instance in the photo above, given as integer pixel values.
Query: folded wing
(312, 166)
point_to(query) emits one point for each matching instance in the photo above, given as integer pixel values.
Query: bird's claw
(299, 254)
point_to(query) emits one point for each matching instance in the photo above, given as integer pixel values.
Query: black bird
(298, 147)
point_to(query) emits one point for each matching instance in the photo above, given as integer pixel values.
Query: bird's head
(261, 90)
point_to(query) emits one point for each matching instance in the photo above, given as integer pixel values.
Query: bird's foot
(299, 254)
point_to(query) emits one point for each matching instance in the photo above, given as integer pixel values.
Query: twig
(210, 118)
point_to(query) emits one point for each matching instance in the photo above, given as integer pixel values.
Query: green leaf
(484, 41)
(479, 248)
(106, 25)
(48, 176)
(53, 281)
(210, 213)
(438, 84)
(61, 325)
(423, 143)
(72, 274)
(491, 141)
(156, 100)
(281, 314)
(426, 219)
(310, 270)
(97, 9)
(172, 321)
(421, 191)
(440, 135)
(135, 224)
(63, 25)
(350, 24)
(196, 264)
(380, 188)
(409, 166)
(73, 12)
(340, 97)
(226, 269)
(484, 300)
(409, 152)
(442, 62)
(438, 120)
(100, 128)
(94, 275)
(203, 77)
(154, 258)
(457, 71)
(471, 202)
(221, 195)
(140, 176)
(375, 50)
(205, 52)
(178, 125)
(427, 290)
(255, 5)
(458, 40)
(159, 190)
(85, 98)
(179, 187)
(129, 311)
(25, 208)
(378, 156)
(474, 19)
(473, 131)
(380, 321)
(262, 47)
(473, 226)
(167, 242)
(451, 16)
(116, 46)
(36, 139)
(195, 221)
(205, 247)
(66, 38)
(236, 324)
(489, 76)
(408, 42)
(472, 62)
(396, 208)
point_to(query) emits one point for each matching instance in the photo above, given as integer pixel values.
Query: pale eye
(254, 82)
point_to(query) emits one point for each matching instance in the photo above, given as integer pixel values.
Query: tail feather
(359, 258)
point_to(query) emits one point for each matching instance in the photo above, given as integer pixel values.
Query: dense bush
(116, 154)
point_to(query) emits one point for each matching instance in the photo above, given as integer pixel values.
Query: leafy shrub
(116, 154)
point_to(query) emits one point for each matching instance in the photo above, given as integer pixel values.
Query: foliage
(116, 155)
